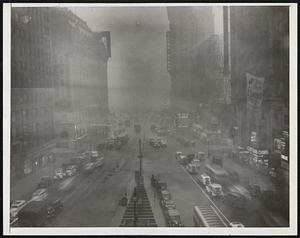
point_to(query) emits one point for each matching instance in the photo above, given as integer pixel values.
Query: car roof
(40, 190)
(215, 185)
(173, 212)
(204, 176)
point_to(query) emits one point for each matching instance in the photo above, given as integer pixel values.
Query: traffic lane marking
(205, 194)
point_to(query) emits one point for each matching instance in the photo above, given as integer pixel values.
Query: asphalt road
(92, 200)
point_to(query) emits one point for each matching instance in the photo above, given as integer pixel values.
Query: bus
(207, 216)
(217, 174)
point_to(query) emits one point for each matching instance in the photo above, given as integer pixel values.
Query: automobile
(89, 167)
(192, 168)
(151, 140)
(59, 174)
(39, 195)
(94, 153)
(255, 190)
(16, 206)
(163, 143)
(178, 154)
(45, 182)
(54, 208)
(71, 170)
(236, 224)
(169, 204)
(235, 199)
(204, 179)
(196, 162)
(99, 162)
(165, 196)
(215, 190)
(173, 218)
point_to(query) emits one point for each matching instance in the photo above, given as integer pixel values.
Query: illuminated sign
(285, 157)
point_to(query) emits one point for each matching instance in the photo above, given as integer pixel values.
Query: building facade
(189, 27)
(259, 55)
(58, 83)
(81, 87)
(32, 124)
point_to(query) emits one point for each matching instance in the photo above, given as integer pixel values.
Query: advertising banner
(277, 145)
(255, 87)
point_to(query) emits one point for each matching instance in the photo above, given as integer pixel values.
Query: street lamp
(208, 148)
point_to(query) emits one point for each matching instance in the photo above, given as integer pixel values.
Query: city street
(158, 116)
(96, 196)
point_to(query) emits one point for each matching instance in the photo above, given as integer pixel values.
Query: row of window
(34, 114)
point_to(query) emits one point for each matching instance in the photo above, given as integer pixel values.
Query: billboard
(255, 87)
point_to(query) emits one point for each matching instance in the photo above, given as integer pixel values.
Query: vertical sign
(255, 87)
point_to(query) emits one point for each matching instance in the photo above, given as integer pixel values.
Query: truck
(217, 174)
(34, 214)
(207, 216)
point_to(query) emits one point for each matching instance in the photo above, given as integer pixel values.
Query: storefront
(38, 158)
(281, 147)
(258, 157)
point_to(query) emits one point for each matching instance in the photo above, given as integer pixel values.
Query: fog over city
(174, 116)
(138, 53)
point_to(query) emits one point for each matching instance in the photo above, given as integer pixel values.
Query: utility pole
(140, 156)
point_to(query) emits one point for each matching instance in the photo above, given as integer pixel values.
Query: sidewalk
(22, 188)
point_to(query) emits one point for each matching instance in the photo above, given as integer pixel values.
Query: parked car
(99, 162)
(45, 182)
(54, 208)
(71, 170)
(215, 190)
(192, 168)
(39, 195)
(204, 179)
(196, 162)
(178, 154)
(173, 218)
(16, 206)
(168, 204)
(59, 174)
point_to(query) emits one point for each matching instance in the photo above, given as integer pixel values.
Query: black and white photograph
(164, 118)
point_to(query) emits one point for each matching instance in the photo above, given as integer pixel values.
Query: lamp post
(207, 148)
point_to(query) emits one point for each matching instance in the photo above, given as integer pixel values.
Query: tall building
(58, 83)
(81, 90)
(189, 27)
(259, 55)
(32, 125)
